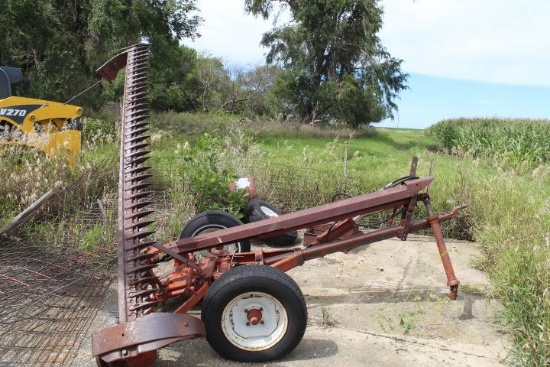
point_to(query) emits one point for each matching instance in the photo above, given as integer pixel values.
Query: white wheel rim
(266, 333)
(270, 213)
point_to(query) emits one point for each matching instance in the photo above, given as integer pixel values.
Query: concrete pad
(381, 305)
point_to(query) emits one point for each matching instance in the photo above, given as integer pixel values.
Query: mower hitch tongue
(251, 310)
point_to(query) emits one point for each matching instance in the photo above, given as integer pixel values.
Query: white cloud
(229, 33)
(500, 41)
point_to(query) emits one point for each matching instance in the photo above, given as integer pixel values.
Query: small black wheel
(257, 210)
(254, 313)
(213, 220)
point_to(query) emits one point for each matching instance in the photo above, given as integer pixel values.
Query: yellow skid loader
(52, 127)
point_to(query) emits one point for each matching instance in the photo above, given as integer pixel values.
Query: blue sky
(472, 58)
(430, 99)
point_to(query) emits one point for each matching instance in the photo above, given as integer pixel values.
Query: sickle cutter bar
(135, 340)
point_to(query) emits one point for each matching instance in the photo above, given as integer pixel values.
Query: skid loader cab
(52, 127)
(8, 76)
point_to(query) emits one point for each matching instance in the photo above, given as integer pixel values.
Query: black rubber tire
(257, 210)
(212, 220)
(247, 287)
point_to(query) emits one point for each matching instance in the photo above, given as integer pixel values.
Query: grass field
(298, 166)
(508, 198)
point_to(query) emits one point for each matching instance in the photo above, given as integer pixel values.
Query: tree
(210, 74)
(44, 38)
(335, 66)
(59, 44)
(173, 88)
(249, 91)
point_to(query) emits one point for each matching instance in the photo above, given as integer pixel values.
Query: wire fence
(47, 302)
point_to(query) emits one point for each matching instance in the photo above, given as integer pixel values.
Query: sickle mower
(251, 310)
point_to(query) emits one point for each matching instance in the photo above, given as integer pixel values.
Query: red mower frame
(251, 310)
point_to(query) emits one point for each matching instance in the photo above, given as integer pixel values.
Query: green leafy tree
(173, 88)
(44, 38)
(335, 66)
(210, 74)
(59, 44)
(249, 92)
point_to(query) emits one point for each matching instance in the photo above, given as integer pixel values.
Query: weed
(208, 181)
(328, 320)
(472, 289)
(403, 320)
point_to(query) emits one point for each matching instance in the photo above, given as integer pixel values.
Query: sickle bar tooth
(138, 132)
(142, 280)
(140, 139)
(143, 257)
(139, 178)
(138, 154)
(140, 214)
(133, 236)
(145, 292)
(138, 161)
(140, 124)
(134, 197)
(142, 307)
(138, 186)
(140, 245)
(141, 269)
(135, 171)
(139, 225)
(140, 205)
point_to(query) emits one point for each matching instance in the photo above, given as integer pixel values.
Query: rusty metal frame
(140, 332)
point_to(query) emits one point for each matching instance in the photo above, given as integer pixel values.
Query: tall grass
(507, 184)
(512, 227)
(64, 223)
(514, 143)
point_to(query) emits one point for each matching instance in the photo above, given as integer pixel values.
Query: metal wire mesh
(46, 304)
(50, 288)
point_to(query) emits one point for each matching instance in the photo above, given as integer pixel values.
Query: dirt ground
(381, 305)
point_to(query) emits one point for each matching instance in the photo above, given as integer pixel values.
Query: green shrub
(207, 179)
